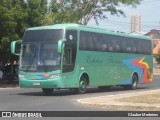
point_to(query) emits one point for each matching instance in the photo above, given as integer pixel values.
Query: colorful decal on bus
(142, 68)
(146, 74)
(44, 76)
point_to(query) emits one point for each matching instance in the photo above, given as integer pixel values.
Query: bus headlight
(54, 76)
(21, 76)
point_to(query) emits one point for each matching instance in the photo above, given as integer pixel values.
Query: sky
(149, 10)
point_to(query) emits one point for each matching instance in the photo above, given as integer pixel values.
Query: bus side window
(145, 47)
(110, 48)
(83, 40)
(104, 43)
(117, 47)
(104, 47)
(68, 56)
(111, 44)
(90, 42)
(114, 44)
(67, 60)
(148, 48)
(134, 49)
(139, 46)
(128, 49)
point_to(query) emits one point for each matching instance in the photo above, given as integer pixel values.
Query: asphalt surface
(13, 98)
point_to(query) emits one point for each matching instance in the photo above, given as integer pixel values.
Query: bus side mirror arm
(60, 46)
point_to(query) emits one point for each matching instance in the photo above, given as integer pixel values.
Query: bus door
(70, 51)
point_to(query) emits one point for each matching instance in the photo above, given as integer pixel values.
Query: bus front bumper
(40, 83)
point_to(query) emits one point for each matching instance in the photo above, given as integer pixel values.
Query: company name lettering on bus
(92, 60)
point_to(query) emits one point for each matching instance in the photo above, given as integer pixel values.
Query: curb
(110, 100)
(7, 87)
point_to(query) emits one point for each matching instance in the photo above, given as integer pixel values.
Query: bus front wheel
(47, 91)
(82, 86)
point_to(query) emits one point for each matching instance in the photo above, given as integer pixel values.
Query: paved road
(16, 99)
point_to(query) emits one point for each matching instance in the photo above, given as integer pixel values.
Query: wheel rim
(134, 84)
(82, 85)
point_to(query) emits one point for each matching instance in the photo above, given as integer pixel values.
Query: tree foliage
(157, 57)
(17, 15)
(81, 11)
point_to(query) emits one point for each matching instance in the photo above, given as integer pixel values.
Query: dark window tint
(70, 51)
(112, 43)
(104, 43)
(93, 41)
(43, 35)
(126, 45)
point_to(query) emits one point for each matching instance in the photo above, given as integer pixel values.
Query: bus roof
(88, 28)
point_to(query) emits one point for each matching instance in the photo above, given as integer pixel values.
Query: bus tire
(82, 86)
(134, 84)
(47, 91)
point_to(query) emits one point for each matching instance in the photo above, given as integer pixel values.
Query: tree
(20, 14)
(7, 25)
(37, 9)
(81, 11)
(16, 17)
(157, 57)
(154, 45)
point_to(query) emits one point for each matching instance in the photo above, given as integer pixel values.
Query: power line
(125, 25)
(120, 23)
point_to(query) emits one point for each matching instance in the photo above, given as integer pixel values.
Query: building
(156, 49)
(155, 35)
(135, 24)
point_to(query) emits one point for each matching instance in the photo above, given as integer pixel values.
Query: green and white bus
(72, 56)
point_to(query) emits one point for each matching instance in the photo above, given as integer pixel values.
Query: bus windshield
(40, 56)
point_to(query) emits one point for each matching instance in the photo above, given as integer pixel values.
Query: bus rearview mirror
(15, 47)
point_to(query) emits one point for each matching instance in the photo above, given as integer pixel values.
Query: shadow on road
(38, 92)
(72, 92)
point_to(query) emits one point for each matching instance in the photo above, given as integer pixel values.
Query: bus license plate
(36, 83)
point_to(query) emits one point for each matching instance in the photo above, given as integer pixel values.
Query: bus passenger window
(104, 47)
(134, 49)
(117, 47)
(68, 57)
(110, 48)
(128, 49)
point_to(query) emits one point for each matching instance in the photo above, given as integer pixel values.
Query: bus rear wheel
(134, 84)
(47, 91)
(82, 86)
